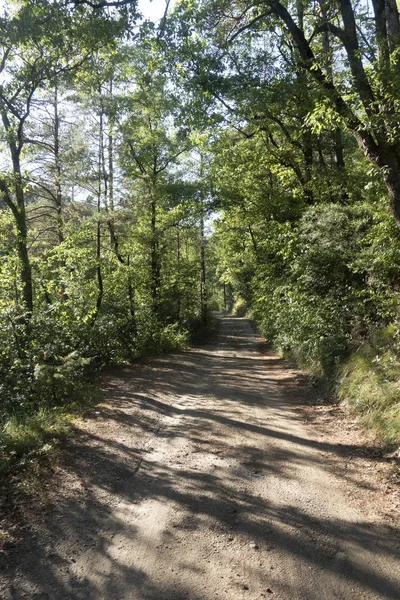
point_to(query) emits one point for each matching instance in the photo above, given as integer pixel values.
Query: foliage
(219, 159)
(99, 220)
(370, 383)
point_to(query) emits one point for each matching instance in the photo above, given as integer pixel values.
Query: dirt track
(197, 479)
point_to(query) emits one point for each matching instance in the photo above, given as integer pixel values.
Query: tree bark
(203, 289)
(155, 259)
(17, 206)
(391, 176)
(26, 269)
(100, 283)
(393, 29)
(178, 268)
(58, 194)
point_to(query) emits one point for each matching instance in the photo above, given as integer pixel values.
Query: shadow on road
(236, 377)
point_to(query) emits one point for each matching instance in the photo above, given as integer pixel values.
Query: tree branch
(136, 159)
(39, 143)
(247, 26)
(102, 4)
(364, 137)
(163, 21)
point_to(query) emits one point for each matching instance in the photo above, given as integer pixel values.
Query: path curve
(197, 479)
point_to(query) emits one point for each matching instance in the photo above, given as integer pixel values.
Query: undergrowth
(30, 436)
(201, 333)
(364, 377)
(369, 383)
(33, 424)
(240, 308)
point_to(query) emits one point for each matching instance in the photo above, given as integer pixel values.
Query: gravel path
(197, 479)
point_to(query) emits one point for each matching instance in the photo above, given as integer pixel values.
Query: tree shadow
(113, 471)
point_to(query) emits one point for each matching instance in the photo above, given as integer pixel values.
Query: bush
(370, 383)
(159, 339)
(44, 367)
(240, 308)
(319, 301)
(22, 439)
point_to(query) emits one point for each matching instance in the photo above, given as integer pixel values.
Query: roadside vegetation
(229, 156)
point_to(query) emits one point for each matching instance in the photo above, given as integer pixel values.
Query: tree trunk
(100, 284)
(59, 204)
(26, 269)
(203, 290)
(109, 188)
(19, 212)
(155, 259)
(22, 245)
(15, 144)
(58, 194)
(178, 268)
(308, 164)
(131, 296)
(393, 29)
(391, 176)
(337, 134)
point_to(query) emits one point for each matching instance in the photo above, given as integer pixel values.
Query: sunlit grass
(21, 441)
(30, 436)
(370, 384)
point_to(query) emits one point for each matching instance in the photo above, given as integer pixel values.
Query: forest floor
(213, 473)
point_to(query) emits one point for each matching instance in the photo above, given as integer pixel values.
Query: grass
(240, 308)
(366, 380)
(369, 384)
(35, 435)
(28, 439)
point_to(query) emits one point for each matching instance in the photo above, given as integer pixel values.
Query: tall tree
(365, 100)
(153, 145)
(31, 56)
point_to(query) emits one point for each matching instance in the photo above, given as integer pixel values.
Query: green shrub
(370, 383)
(23, 439)
(155, 338)
(240, 308)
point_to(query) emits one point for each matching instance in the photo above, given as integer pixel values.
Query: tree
(38, 44)
(153, 145)
(364, 98)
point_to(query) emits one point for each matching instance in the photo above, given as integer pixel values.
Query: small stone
(254, 546)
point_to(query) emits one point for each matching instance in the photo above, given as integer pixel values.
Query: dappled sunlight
(191, 468)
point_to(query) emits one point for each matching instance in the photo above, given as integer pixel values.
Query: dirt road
(197, 479)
